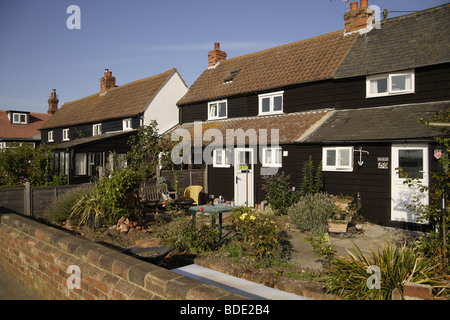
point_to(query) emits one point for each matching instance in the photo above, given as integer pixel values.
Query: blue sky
(136, 39)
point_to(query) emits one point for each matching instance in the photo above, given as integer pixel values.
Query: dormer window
(271, 103)
(18, 117)
(217, 110)
(390, 84)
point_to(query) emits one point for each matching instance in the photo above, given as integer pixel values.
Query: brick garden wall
(39, 256)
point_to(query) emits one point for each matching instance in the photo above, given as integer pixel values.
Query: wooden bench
(152, 195)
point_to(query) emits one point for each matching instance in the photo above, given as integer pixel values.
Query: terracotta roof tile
(8, 130)
(292, 127)
(127, 100)
(303, 61)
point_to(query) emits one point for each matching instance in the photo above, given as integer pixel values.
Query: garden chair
(193, 192)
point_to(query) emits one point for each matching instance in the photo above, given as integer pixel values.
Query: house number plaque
(383, 162)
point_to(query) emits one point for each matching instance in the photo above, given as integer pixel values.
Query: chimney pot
(364, 3)
(52, 103)
(353, 6)
(216, 55)
(107, 82)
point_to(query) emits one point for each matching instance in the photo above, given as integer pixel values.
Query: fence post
(27, 199)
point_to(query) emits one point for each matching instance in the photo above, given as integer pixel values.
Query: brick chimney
(53, 103)
(107, 82)
(216, 55)
(356, 18)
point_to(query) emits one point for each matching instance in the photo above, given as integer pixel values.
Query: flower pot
(337, 226)
(348, 218)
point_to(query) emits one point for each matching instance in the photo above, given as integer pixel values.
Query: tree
(21, 162)
(145, 151)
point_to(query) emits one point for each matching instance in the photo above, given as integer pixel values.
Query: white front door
(243, 177)
(413, 160)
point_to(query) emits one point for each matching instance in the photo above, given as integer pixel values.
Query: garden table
(218, 208)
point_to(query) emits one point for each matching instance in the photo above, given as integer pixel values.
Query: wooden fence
(30, 201)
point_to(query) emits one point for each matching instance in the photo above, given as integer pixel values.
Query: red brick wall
(39, 257)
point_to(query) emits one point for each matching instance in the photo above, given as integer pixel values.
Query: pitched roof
(379, 123)
(127, 100)
(292, 127)
(22, 131)
(303, 61)
(404, 42)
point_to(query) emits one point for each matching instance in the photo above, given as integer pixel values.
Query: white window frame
(273, 158)
(388, 77)
(225, 156)
(19, 120)
(127, 124)
(50, 136)
(337, 166)
(271, 96)
(96, 129)
(217, 104)
(65, 134)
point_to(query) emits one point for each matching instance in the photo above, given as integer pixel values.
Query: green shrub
(312, 212)
(188, 235)
(60, 209)
(117, 195)
(279, 192)
(348, 276)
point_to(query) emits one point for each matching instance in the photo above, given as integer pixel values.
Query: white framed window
(272, 157)
(221, 158)
(97, 129)
(20, 118)
(217, 110)
(390, 84)
(50, 136)
(337, 159)
(127, 124)
(65, 135)
(271, 103)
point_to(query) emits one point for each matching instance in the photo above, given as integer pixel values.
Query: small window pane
(344, 157)
(277, 103)
(223, 109)
(266, 105)
(411, 162)
(378, 86)
(278, 155)
(268, 159)
(331, 157)
(398, 83)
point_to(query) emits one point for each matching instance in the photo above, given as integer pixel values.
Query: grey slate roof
(378, 124)
(404, 42)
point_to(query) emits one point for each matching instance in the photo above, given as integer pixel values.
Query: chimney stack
(356, 18)
(53, 103)
(216, 55)
(107, 82)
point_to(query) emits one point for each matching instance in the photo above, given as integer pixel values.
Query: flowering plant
(261, 235)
